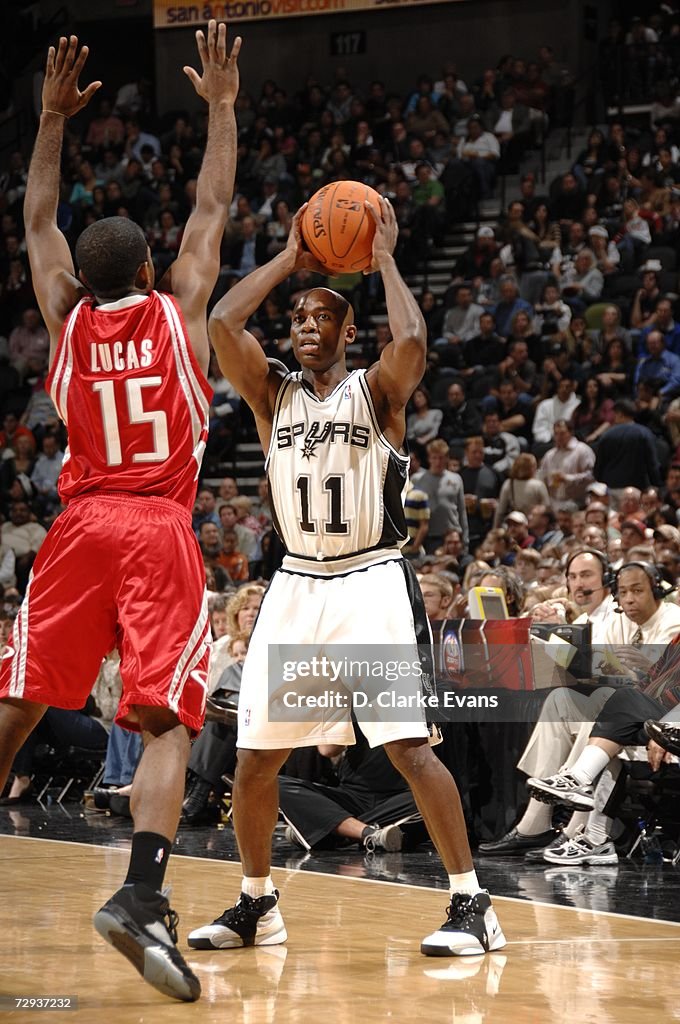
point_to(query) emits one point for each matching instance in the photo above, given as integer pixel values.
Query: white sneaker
(251, 922)
(581, 851)
(471, 928)
(563, 788)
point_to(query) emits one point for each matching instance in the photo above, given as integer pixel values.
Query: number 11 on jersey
(335, 524)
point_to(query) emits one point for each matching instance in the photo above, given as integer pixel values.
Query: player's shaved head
(109, 254)
(334, 300)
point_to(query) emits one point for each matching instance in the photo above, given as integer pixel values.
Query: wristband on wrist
(46, 110)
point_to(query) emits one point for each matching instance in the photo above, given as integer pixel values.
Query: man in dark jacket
(626, 454)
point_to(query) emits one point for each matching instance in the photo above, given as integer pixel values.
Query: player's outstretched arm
(193, 275)
(56, 286)
(401, 366)
(239, 353)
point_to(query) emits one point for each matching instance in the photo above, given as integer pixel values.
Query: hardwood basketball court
(352, 955)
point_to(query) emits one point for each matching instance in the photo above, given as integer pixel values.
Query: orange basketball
(338, 229)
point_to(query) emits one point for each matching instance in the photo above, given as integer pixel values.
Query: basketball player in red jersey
(121, 566)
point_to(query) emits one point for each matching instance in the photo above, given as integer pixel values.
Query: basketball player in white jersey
(337, 470)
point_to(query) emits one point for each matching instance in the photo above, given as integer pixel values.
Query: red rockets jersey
(127, 385)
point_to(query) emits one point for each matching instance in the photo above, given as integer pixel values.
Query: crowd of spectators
(549, 414)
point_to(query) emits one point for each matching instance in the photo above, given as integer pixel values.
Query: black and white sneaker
(252, 922)
(471, 928)
(138, 922)
(563, 788)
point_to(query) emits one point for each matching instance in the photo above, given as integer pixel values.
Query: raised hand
(61, 93)
(302, 257)
(220, 78)
(386, 232)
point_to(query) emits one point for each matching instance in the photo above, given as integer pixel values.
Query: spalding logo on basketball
(338, 229)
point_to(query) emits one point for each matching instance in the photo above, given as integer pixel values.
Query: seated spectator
(662, 320)
(19, 464)
(542, 524)
(510, 122)
(241, 612)
(567, 200)
(28, 341)
(261, 507)
(589, 165)
(500, 448)
(461, 418)
(515, 412)
(510, 304)
(483, 354)
(607, 256)
(560, 407)
(553, 316)
(475, 262)
(658, 366)
(247, 541)
(250, 251)
(547, 232)
(508, 581)
(634, 236)
(501, 545)
(205, 510)
(368, 806)
(481, 150)
(611, 329)
(437, 594)
(244, 506)
(595, 414)
(518, 368)
(461, 323)
(582, 285)
(24, 536)
(522, 491)
(616, 370)
(425, 120)
(646, 298)
(46, 473)
(231, 559)
(433, 315)
(423, 424)
(526, 566)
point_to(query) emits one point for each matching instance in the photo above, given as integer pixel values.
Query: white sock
(255, 887)
(466, 883)
(598, 829)
(578, 820)
(537, 818)
(590, 763)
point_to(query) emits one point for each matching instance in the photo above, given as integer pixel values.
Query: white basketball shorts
(375, 610)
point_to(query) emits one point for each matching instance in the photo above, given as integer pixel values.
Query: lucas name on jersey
(316, 433)
(120, 355)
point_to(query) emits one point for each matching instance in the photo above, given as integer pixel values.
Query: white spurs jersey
(336, 484)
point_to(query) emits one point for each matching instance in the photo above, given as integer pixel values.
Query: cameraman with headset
(566, 719)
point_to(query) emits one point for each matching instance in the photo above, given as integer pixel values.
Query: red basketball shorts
(115, 571)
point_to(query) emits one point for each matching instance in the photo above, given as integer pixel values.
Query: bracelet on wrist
(47, 110)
